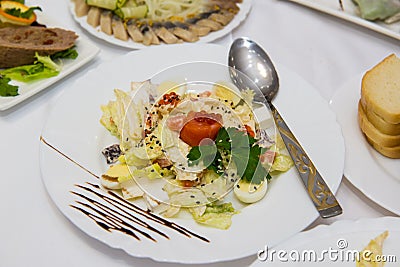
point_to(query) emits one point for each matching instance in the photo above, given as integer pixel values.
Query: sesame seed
(238, 186)
(197, 202)
(192, 196)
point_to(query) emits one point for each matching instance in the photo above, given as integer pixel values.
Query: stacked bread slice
(379, 106)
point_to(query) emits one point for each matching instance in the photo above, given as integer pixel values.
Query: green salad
(44, 67)
(183, 150)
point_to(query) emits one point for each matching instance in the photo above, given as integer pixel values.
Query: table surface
(324, 50)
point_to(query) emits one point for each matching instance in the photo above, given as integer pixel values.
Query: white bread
(379, 123)
(374, 134)
(380, 90)
(390, 152)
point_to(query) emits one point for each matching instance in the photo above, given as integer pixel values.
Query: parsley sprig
(242, 149)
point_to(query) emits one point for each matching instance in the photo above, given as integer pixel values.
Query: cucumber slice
(106, 4)
(137, 12)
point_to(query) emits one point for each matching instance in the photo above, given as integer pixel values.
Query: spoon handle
(322, 197)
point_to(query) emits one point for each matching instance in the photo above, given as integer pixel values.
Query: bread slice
(380, 89)
(374, 134)
(390, 152)
(379, 123)
(18, 45)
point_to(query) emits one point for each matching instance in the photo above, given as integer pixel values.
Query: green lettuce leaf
(216, 215)
(43, 68)
(70, 53)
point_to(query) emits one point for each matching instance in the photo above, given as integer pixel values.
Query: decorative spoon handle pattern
(319, 192)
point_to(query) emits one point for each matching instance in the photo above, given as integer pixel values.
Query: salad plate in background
(86, 52)
(73, 128)
(351, 13)
(377, 176)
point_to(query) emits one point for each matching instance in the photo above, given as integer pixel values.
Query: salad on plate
(191, 147)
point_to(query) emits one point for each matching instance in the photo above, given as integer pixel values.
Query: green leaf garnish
(16, 12)
(7, 89)
(241, 147)
(69, 53)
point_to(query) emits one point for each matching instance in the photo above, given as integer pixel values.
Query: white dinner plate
(212, 36)
(342, 239)
(86, 52)
(73, 127)
(377, 176)
(351, 13)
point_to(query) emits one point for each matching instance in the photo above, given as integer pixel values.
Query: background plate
(351, 14)
(377, 176)
(341, 236)
(86, 52)
(73, 127)
(239, 17)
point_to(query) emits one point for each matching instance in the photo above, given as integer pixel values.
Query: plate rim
(374, 26)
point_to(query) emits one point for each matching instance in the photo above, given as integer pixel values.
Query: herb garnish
(7, 89)
(16, 12)
(69, 53)
(242, 149)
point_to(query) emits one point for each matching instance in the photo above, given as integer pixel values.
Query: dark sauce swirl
(120, 215)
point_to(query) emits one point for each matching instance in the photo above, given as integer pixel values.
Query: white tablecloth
(324, 50)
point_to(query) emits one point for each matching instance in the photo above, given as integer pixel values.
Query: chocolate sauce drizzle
(121, 215)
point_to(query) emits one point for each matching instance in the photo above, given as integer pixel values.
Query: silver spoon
(249, 58)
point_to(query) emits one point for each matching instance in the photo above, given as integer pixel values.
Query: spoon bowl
(249, 58)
